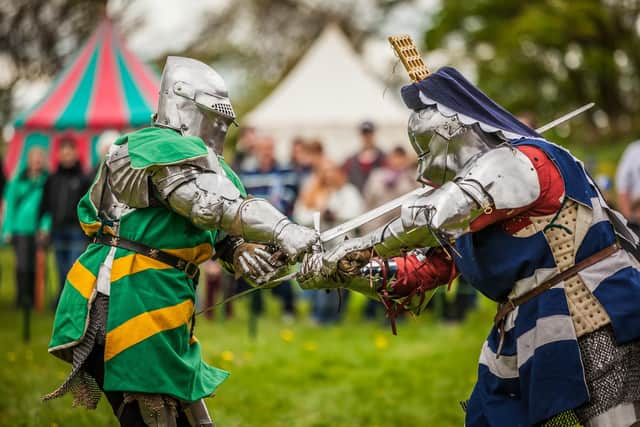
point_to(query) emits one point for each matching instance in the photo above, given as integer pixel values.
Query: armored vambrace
(211, 201)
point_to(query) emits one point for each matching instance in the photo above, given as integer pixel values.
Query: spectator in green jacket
(21, 224)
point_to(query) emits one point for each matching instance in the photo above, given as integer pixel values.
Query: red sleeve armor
(547, 203)
(421, 275)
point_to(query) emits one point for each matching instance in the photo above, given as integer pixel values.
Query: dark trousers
(68, 245)
(215, 285)
(328, 306)
(284, 291)
(24, 246)
(129, 414)
(372, 308)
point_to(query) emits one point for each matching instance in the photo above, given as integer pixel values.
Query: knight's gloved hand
(348, 257)
(256, 262)
(311, 273)
(295, 239)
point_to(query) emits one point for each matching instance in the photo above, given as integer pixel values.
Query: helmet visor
(215, 104)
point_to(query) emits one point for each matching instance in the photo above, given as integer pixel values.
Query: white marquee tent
(327, 95)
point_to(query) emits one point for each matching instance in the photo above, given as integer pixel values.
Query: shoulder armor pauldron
(130, 186)
(505, 175)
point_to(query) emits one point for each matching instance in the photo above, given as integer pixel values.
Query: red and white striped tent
(103, 87)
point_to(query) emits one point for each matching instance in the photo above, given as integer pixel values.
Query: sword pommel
(408, 53)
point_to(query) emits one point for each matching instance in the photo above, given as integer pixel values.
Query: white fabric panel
(504, 367)
(104, 274)
(547, 330)
(523, 286)
(592, 276)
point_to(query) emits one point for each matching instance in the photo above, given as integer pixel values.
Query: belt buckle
(191, 270)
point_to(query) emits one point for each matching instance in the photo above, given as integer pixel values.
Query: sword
(568, 116)
(358, 221)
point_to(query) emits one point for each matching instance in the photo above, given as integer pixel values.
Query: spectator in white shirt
(628, 180)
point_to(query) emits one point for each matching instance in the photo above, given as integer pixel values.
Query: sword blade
(356, 222)
(566, 117)
(271, 284)
(231, 298)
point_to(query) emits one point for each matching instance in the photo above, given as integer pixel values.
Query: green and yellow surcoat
(148, 345)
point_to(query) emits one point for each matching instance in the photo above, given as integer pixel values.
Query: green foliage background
(548, 57)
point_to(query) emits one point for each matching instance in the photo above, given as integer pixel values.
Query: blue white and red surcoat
(539, 373)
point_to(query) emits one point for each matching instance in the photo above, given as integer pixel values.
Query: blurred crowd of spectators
(40, 209)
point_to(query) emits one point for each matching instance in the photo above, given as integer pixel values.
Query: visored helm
(444, 145)
(194, 101)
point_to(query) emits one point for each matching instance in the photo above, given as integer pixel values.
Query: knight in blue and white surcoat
(522, 221)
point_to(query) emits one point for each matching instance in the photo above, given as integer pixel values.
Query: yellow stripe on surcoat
(134, 263)
(81, 279)
(145, 325)
(90, 228)
(197, 254)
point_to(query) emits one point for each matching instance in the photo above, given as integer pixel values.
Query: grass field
(354, 374)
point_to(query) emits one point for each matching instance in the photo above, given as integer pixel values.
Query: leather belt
(508, 306)
(190, 269)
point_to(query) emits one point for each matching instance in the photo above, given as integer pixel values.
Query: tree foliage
(550, 56)
(37, 36)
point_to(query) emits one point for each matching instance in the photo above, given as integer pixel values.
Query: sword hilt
(317, 248)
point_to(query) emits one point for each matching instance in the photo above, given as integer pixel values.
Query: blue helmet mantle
(448, 88)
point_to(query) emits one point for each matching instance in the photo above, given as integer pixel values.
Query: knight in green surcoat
(163, 201)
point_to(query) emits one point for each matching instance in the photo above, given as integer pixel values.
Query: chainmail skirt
(612, 372)
(86, 391)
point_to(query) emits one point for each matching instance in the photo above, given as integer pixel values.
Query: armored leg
(198, 414)
(156, 410)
